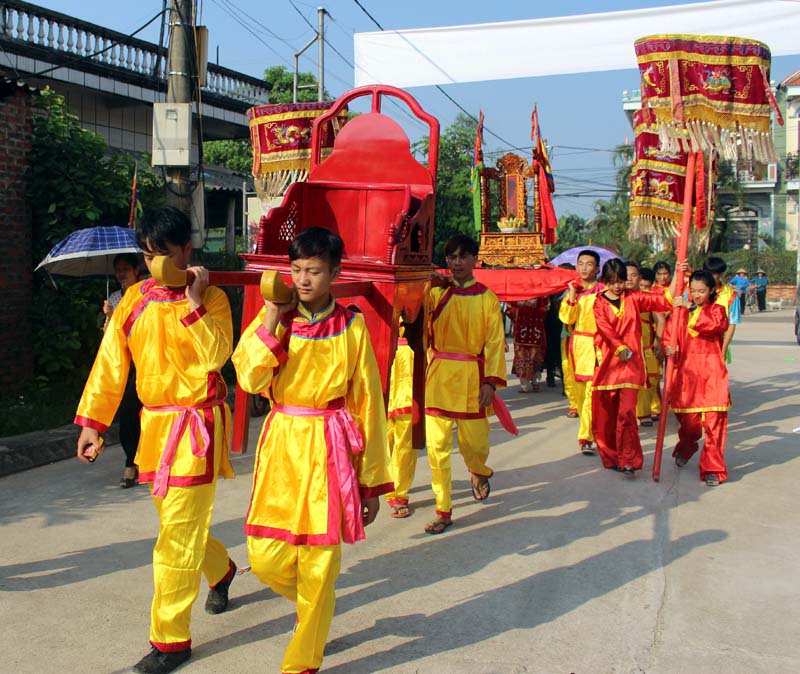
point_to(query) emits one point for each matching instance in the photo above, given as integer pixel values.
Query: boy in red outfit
(701, 398)
(621, 372)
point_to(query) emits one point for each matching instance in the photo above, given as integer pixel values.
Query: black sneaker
(217, 600)
(158, 662)
(586, 448)
(628, 472)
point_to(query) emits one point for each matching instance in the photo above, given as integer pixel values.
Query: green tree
(280, 85)
(73, 184)
(571, 233)
(453, 196)
(237, 155)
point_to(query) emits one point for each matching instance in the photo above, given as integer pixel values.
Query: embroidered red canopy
(281, 135)
(709, 91)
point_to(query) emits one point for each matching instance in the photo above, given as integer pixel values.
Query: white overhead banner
(561, 45)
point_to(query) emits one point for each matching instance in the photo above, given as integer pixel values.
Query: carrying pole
(676, 316)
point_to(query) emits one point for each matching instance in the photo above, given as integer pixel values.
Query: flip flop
(399, 511)
(479, 488)
(437, 526)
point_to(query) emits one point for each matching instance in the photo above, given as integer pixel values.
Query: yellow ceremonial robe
(178, 357)
(464, 320)
(404, 456)
(466, 349)
(323, 358)
(578, 316)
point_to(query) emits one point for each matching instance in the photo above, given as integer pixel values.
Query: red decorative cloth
(657, 184)
(280, 135)
(512, 285)
(709, 92)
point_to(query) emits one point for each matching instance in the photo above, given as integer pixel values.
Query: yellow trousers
(473, 443)
(568, 376)
(184, 550)
(649, 401)
(306, 575)
(404, 457)
(583, 403)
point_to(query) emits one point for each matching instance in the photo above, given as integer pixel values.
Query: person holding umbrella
(126, 269)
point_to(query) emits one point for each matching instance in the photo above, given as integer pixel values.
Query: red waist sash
(343, 439)
(500, 408)
(192, 418)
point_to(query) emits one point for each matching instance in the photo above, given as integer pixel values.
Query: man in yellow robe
(178, 340)
(404, 456)
(322, 459)
(577, 313)
(648, 403)
(467, 364)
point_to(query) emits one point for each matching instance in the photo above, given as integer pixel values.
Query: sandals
(438, 526)
(712, 480)
(572, 414)
(128, 482)
(680, 461)
(628, 472)
(481, 489)
(399, 510)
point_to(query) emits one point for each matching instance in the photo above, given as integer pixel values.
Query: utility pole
(181, 83)
(321, 43)
(320, 39)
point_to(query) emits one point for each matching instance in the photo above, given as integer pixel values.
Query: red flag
(540, 151)
(549, 221)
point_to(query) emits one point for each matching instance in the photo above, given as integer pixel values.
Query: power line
(439, 88)
(258, 37)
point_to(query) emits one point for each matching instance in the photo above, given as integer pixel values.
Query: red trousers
(615, 429)
(715, 425)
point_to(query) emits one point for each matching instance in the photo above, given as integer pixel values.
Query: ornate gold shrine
(518, 243)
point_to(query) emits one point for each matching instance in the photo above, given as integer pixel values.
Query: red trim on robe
(172, 647)
(497, 381)
(438, 412)
(272, 344)
(86, 422)
(194, 316)
(228, 576)
(379, 490)
(399, 411)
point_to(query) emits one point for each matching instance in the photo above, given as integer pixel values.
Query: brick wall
(16, 270)
(786, 293)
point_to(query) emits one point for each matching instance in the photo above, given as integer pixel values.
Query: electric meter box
(172, 134)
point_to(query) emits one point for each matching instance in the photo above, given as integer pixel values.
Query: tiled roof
(792, 80)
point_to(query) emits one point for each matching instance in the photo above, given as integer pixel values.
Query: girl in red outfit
(701, 398)
(621, 371)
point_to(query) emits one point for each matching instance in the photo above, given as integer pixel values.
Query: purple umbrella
(571, 255)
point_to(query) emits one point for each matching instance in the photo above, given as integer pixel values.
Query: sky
(580, 115)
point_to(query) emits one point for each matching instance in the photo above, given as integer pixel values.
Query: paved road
(567, 568)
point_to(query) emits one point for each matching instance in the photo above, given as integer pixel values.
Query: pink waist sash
(192, 418)
(499, 405)
(343, 439)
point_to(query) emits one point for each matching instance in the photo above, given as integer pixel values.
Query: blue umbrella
(571, 255)
(90, 253)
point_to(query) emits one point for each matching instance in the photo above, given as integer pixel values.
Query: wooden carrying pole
(677, 313)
